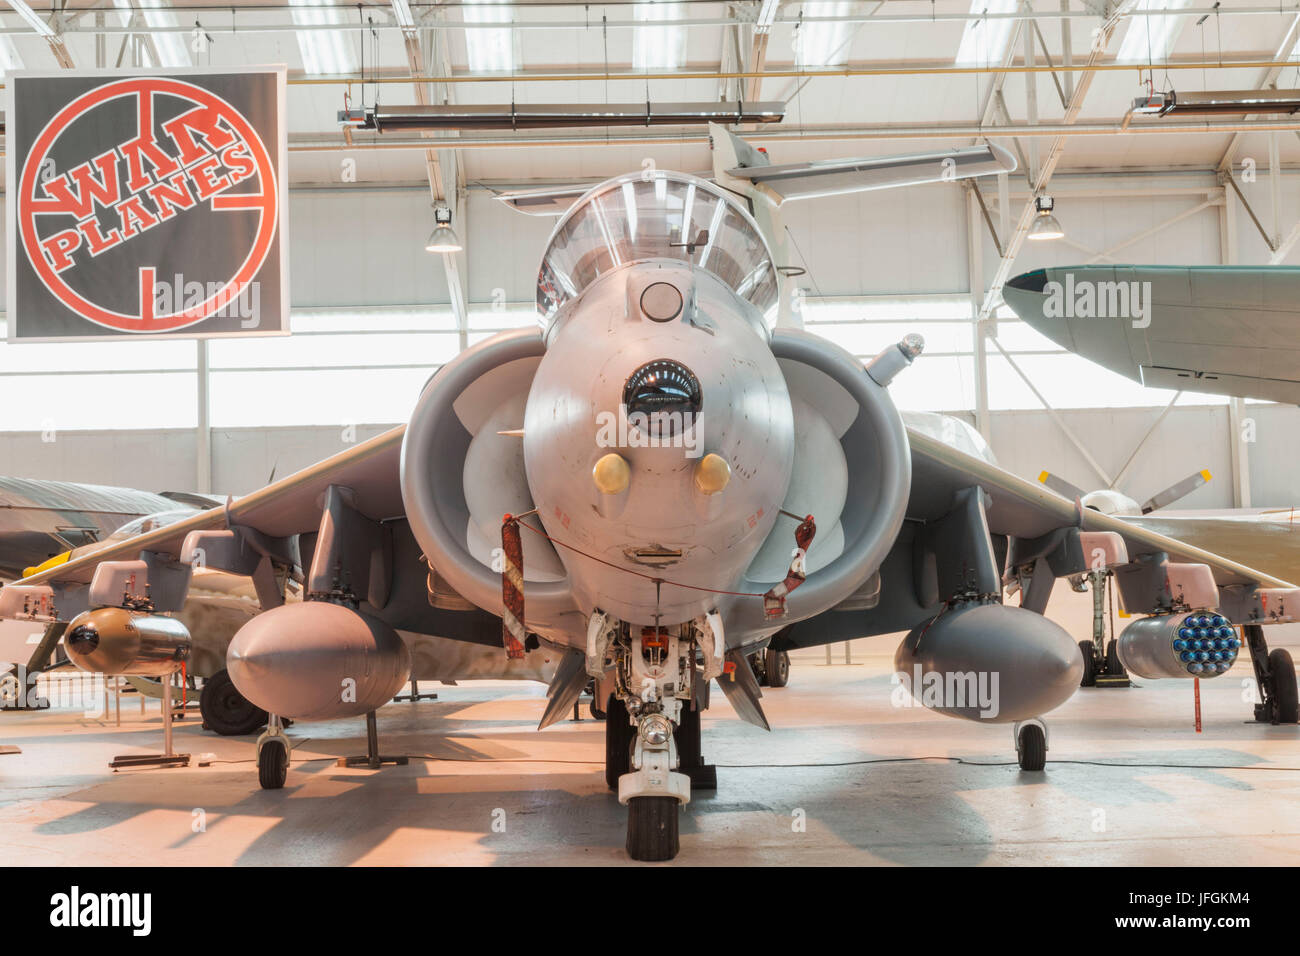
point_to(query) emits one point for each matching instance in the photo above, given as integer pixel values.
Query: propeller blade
(1061, 486)
(1180, 490)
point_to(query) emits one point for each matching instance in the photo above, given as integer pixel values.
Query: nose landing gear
(651, 707)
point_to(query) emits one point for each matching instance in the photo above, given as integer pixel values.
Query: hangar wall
(360, 248)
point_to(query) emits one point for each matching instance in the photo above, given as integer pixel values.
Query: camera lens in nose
(663, 390)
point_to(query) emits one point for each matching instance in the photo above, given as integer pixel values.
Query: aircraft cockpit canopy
(656, 214)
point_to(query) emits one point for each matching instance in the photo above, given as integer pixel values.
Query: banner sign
(149, 203)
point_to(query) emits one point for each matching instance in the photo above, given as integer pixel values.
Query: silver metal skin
(317, 661)
(1024, 663)
(745, 417)
(116, 640)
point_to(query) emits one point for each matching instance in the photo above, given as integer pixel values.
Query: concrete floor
(841, 759)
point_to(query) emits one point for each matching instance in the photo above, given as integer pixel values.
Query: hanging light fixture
(1045, 225)
(443, 238)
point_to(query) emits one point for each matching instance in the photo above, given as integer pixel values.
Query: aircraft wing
(290, 506)
(1024, 509)
(1268, 540)
(836, 177)
(953, 539)
(1222, 330)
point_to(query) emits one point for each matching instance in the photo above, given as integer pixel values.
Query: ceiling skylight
(323, 51)
(488, 50)
(824, 44)
(659, 48)
(985, 41)
(1150, 38)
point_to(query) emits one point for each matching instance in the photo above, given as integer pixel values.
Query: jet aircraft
(660, 481)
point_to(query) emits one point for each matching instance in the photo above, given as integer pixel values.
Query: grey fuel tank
(989, 662)
(317, 661)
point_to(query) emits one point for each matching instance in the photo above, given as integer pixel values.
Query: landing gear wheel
(1113, 666)
(652, 832)
(1089, 678)
(272, 765)
(776, 665)
(1286, 707)
(619, 734)
(690, 760)
(227, 711)
(1033, 748)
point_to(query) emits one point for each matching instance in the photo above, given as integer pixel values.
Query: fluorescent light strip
(488, 51)
(766, 16)
(985, 41)
(28, 14)
(323, 52)
(658, 48)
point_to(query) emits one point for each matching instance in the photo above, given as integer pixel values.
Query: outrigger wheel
(1031, 747)
(272, 765)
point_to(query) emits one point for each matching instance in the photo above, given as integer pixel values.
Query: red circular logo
(205, 157)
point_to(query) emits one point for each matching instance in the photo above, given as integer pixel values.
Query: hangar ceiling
(857, 77)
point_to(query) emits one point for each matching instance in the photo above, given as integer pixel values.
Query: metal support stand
(415, 694)
(372, 758)
(168, 758)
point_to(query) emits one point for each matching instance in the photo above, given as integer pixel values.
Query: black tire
(227, 711)
(619, 734)
(1281, 670)
(1089, 653)
(687, 738)
(776, 665)
(652, 830)
(272, 765)
(1113, 666)
(1033, 748)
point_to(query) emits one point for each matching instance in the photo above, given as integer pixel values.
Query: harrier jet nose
(658, 437)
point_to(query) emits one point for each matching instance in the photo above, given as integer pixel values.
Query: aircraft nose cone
(1034, 281)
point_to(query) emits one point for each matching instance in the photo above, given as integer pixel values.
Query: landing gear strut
(652, 721)
(1275, 675)
(1101, 664)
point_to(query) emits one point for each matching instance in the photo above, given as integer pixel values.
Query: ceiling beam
(1043, 175)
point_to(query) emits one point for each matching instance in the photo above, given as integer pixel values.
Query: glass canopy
(656, 215)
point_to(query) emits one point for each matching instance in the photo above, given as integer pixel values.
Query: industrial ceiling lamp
(443, 238)
(1045, 225)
